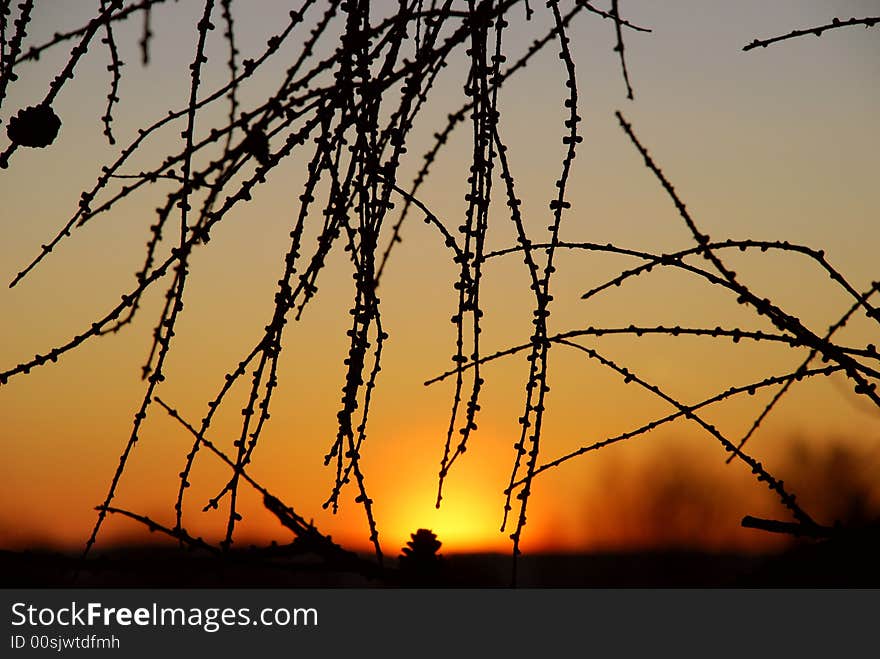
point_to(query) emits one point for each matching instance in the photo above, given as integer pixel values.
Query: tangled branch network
(349, 115)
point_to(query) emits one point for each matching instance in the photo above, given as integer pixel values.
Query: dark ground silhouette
(845, 562)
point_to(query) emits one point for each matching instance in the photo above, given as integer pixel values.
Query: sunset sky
(779, 143)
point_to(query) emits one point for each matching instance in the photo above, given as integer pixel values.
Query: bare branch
(833, 25)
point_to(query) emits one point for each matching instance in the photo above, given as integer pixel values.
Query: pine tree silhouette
(420, 564)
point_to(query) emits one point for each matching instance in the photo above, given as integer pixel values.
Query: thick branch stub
(790, 528)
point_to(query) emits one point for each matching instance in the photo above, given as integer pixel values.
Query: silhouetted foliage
(349, 115)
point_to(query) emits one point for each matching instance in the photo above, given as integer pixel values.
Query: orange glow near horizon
(469, 516)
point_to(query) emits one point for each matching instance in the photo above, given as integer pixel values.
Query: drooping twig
(34, 52)
(178, 534)
(7, 73)
(308, 536)
(537, 386)
(66, 73)
(455, 118)
(619, 48)
(803, 367)
(749, 389)
(114, 67)
(226, 6)
(786, 498)
(763, 306)
(147, 34)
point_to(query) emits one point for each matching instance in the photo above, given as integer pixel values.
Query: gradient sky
(776, 143)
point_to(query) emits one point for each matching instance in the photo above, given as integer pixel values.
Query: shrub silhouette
(420, 564)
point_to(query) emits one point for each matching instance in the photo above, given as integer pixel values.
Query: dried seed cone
(36, 126)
